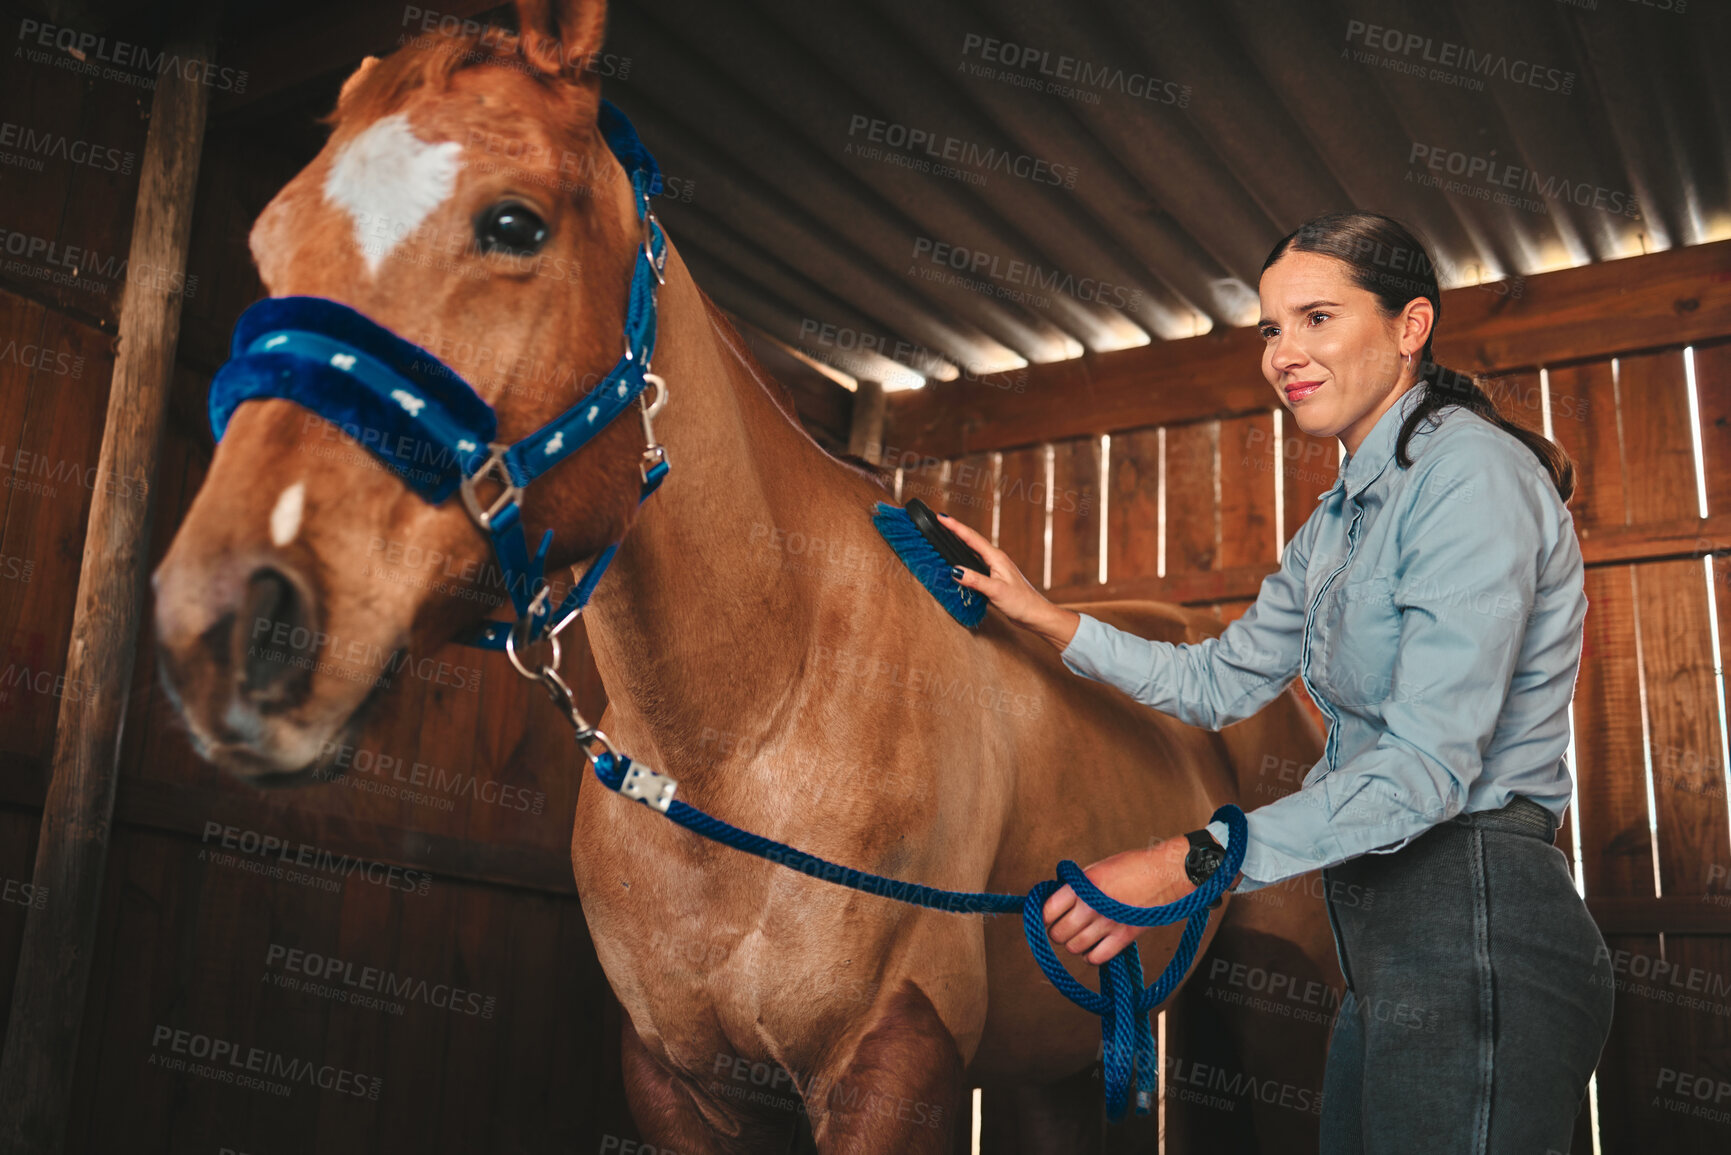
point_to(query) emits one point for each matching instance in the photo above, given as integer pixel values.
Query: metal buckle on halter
(495, 463)
(656, 264)
(654, 452)
(648, 787)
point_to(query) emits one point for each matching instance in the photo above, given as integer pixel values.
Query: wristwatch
(1204, 858)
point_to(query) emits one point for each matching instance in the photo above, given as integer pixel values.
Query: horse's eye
(510, 227)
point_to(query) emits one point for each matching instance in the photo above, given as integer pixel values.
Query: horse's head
(467, 202)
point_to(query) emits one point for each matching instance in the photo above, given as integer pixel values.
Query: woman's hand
(1151, 877)
(1013, 594)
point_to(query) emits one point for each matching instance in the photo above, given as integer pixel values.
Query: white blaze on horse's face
(285, 517)
(389, 180)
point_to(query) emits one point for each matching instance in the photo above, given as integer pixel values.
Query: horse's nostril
(277, 641)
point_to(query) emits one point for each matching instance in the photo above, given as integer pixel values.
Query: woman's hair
(1387, 262)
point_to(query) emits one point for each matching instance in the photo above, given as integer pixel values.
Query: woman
(1433, 605)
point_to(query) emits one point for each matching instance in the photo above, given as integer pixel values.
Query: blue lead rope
(1122, 1002)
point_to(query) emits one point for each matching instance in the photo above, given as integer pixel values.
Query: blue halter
(432, 429)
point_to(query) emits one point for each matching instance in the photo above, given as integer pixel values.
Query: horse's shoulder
(1160, 621)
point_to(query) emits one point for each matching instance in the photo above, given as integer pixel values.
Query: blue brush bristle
(925, 563)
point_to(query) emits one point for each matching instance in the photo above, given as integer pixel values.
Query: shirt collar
(1359, 469)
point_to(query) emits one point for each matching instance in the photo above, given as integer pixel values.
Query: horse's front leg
(899, 1092)
(670, 1116)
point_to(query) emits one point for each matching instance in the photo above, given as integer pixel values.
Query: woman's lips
(1300, 390)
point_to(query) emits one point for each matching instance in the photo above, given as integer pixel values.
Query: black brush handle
(951, 548)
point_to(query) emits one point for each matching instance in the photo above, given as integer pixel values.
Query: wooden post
(48, 996)
(865, 436)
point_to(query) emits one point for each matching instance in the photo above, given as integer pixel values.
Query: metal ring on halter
(649, 219)
(511, 652)
(541, 598)
(594, 735)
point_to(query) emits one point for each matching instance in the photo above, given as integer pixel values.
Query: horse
(820, 697)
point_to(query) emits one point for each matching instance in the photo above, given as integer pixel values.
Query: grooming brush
(930, 550)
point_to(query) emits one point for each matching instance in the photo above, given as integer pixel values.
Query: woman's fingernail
(956, 572)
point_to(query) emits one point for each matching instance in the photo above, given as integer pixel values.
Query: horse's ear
(354, 80)
(560, 36)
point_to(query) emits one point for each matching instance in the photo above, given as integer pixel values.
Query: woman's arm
(1472, 547)
(1211, 683)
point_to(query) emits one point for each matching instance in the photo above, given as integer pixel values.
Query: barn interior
(1008, 253)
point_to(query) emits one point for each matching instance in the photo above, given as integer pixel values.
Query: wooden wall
(1195, 511)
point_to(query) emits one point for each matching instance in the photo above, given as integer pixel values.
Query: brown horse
(821, 698)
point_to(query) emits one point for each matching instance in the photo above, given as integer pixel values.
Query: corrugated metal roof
(939, 184)
(916, 188)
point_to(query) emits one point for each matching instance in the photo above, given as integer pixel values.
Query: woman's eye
(510, 227)
(1314, 316)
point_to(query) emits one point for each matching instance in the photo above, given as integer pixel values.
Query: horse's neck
(706, 619)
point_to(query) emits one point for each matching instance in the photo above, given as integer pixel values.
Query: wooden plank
(1594, 311)
(190, 948)
(1591, 439)
(1132, 511)
(1309, 466)
(1192, 497)
(1675, 641)
(1713, 393)
(53, 470)
(1247, 465)
(1022, 511)
(1519, 397)
(1685, 914)
(1616, 850)
(41, 1048)
(1076, 512)
(970, 491)
(927, 479)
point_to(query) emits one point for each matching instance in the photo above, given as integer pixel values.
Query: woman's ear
(1417, 321)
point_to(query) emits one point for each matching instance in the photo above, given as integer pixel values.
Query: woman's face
(1335, 360)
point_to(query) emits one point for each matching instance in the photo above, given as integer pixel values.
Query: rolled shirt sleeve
(1471, 550)
(1219, 680)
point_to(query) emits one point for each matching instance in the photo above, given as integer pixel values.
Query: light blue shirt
(1434, 613)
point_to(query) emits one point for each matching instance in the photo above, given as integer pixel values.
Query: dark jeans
(1479, 993)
